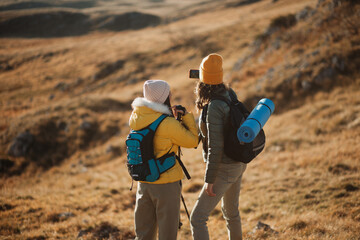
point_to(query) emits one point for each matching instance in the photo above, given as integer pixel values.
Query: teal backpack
(141, 162)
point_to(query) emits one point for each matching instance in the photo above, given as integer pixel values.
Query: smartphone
(194, 73)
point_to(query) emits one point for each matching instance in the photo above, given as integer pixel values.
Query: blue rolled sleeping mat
(256, 120)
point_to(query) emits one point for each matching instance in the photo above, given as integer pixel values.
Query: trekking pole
(188, 177)
(186, 210)
(178, 117)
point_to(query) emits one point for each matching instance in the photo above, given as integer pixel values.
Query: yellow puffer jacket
(169, 135)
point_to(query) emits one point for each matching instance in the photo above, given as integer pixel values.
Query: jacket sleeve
(215, 123)
(184, 136)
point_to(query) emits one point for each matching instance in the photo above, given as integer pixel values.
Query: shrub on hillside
(283, 21)
(339, 2)
(278, 23)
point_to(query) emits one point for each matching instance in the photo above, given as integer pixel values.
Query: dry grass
(305, 185)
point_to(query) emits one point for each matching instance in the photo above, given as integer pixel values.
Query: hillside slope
(65, 104)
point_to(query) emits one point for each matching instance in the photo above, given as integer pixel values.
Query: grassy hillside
(65, 104)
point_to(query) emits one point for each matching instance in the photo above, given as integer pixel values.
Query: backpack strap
(233, 96)
(183, 166)
(221, 98)
(234, 99)
(157, 122)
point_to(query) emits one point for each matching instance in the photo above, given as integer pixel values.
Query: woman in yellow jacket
(158, 203)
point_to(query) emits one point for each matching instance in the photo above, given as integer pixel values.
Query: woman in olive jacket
(222, 174)
(158, 203)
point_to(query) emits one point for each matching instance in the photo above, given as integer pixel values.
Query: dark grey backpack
(233, 148)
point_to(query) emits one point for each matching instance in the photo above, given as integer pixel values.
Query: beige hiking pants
(157, 208)
(227, 188)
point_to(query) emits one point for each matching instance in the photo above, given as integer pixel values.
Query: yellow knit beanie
(211, 71)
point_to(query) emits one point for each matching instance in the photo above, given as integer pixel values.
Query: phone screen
(194, 73)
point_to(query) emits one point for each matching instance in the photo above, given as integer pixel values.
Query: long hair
(168, 104)
(206, 92)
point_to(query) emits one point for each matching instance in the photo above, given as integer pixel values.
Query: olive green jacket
(212, 132)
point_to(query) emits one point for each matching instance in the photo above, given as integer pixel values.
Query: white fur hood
(145, 112)
(157, 107)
